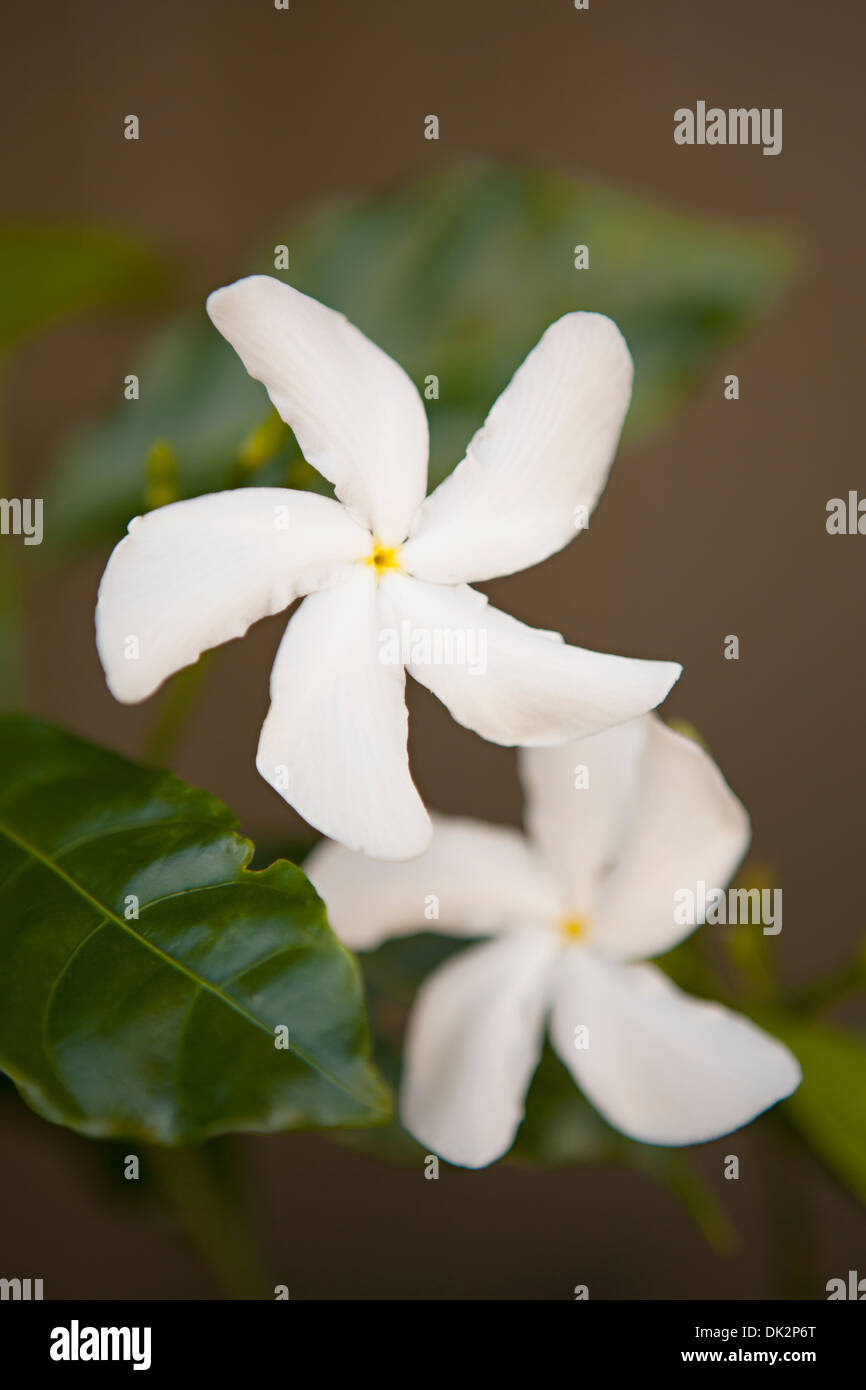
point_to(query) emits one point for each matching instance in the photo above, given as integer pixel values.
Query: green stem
(173, 712)
(847, 980)
(707, 1213)
(213, 1216)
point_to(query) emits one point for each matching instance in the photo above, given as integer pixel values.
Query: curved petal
(534, 471)
(511, 683)
(578, 800)
(334, 742)
(355, 413)
(197, 573)
(684, 826)
(473, 1043)
(662, 1067)
(474, 879)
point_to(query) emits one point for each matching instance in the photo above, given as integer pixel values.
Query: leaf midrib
(34, 852)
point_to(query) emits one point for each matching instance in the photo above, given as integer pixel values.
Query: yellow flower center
(383, 557)
(572, 928)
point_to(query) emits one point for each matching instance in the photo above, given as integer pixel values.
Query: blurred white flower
(589, 891)
(196, 573)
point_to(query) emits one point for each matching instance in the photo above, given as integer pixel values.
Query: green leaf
(162, 1027)
(828, 1108)
(50, 273)
(456, 275)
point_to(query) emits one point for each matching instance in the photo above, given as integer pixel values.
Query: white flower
(196, 573)
(589, 891)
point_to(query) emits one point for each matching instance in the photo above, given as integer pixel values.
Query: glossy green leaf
(829, 1107)
(50, 273)
(162, 1026)
(457, 275)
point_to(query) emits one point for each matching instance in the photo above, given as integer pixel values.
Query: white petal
(578, 802)
(473, 1043)
(511, 683)
(334, 742)
(684, 826)
(357, 417)
(194, 574)
(479, 878)
(543, 452)
(660, 1066)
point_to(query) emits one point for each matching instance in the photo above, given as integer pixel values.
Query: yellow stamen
(383, 557)
(572, 928)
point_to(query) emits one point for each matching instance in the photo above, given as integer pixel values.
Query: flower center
(572, 928)
(383, 557)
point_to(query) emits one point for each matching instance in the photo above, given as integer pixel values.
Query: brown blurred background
(716, 528)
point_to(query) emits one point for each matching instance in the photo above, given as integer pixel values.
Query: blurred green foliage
(50, 274)
(829, 1108)
(457, 275)
(53, 273)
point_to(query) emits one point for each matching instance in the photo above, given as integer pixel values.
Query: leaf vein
(52, 993)
(168, 959)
